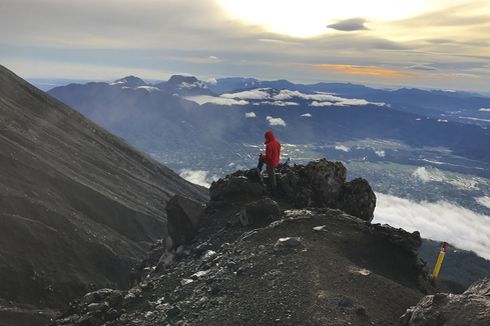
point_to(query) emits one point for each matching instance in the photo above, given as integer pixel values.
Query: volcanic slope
(78, 206)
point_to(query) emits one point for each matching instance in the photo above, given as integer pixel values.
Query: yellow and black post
(437, 267)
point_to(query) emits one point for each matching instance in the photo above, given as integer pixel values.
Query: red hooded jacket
(272, 149)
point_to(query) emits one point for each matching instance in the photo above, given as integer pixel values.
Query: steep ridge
(78, 206)
(258, 258)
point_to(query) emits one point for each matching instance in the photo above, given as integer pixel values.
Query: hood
(269, 136)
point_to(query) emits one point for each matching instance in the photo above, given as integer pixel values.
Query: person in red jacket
(270, 158)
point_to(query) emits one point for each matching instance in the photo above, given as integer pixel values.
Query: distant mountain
(79, 207)
(184, 85)
(164, 117)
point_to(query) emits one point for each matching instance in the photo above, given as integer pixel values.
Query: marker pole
(437, 267)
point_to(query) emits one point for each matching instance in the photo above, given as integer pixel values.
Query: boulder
(470, 308)
(236, 187)
(325, 179)
(260, 212)
(357, 199)
(183, 219)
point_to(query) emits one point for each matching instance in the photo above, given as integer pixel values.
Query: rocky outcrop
(183, 219)
(472, 308)
(320, 183)
(357, 199)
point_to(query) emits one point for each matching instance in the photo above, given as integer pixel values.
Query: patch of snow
(250, 115)
(484, 201)
(484, 110)
(380, 153)
(307, 115)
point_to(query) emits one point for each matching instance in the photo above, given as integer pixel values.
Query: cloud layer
(439, 221)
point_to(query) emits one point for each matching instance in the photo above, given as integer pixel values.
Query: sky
(438, 44)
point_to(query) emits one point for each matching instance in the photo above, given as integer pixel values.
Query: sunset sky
(442, 44)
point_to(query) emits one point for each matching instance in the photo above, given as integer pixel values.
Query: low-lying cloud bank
(283, 97)
(441, 220)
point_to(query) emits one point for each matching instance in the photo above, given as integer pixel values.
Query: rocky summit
(253, 256)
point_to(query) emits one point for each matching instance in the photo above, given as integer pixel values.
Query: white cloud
(203, 99)
(342, 148)
(250, 115)
(442, 120)
(475, 119)
(275, 121)
(198, 177)
(485, 109)
(308, 115)
(319, 104)
(279, 103)
(211, 81)
(435, 175)
(484, 201)
(440, 221)
(380, 153)
(254, 94)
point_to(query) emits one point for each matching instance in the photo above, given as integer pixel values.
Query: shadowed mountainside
(78, 206)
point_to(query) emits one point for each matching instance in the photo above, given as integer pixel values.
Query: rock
(98, 306)
(259, 213)
(470, 308)
(110, 296)
(326, 178)
(357, 199)
(409, 242)
(174, 311)
(289, 242)
(235, 187)
(183, 219)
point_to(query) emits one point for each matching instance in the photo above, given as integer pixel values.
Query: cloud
(484, 201)
(484, 110)
(255, 94)
(342, 148)
(475, 119)
(422, 67)
(349, 25)
(442, 120)
(250, 115)
(439, 221)
(198, 177)
(275, 121)
(431, 174)
(203, 99)
(373, 71)
(280, 103)
(307, 115)
(195, 60)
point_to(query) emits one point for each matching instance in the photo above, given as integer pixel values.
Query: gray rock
(357, 199)
(288, 242)
(183, 219)
(236, 187)
(260, 212)
(470, 308)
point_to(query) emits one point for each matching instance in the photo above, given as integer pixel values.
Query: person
(270, 158)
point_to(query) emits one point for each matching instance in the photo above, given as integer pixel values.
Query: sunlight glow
(308, 18)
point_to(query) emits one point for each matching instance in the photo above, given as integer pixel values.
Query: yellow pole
(437, 267)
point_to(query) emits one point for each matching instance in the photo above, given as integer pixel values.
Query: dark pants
(270, 171)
